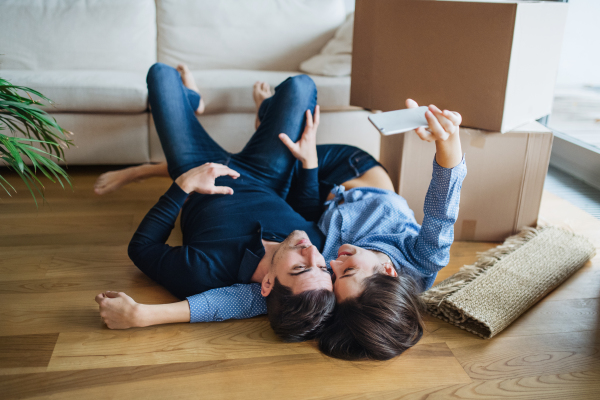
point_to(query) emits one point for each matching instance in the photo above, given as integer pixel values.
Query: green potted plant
(40, 139)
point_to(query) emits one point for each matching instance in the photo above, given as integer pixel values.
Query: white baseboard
(576, 158)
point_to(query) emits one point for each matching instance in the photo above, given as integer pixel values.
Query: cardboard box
(503, 188)
(495, 63)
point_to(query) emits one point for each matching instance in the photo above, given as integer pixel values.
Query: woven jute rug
(484, 298)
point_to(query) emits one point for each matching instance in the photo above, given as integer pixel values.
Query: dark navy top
(221, 235)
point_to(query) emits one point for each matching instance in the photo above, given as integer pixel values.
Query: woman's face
(352, 266)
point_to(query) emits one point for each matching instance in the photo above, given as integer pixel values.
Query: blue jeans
(265, 160)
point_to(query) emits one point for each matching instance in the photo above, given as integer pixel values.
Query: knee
(301, 83)
(156, 70)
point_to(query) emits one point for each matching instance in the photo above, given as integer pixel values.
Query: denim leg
(265, 157)
(193, 98)
(184, 141)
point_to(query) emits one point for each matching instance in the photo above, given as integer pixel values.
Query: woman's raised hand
(442, 124)
(444, 131)
(305, 149)
(202, 179)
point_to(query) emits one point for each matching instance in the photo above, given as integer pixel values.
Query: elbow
(133, 251)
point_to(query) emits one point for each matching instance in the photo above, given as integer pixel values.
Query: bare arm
(119, 311)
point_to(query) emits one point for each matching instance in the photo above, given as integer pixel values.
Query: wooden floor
(54, 260)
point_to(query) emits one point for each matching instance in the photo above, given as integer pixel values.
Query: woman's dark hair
(298, 317)
(379, 324)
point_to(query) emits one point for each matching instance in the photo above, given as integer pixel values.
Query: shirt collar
(252, 256)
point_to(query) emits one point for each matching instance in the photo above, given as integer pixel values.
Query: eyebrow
(308, 269)
(301, 272)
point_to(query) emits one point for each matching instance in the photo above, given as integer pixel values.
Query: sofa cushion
(336, 57)
(73, 34)
(106, 138)
(86, 91)
(229, 90)
(233, 130)
(272, 35)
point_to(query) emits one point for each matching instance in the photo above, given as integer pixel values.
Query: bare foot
(260, 92)
(189, 82)
(112, 180)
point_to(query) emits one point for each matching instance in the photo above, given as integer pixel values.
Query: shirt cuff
(177, 194)
(199, 308)
(459, 168)
(309, 174)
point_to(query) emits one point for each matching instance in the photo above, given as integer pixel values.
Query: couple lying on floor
(313, 236)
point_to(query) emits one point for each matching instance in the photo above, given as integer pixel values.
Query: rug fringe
(486, 260)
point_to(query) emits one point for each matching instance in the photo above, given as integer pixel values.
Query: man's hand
(305, 149)
(202, 179)
(444, 131)
(118, 311)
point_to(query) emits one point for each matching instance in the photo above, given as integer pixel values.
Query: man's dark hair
(379, 324)
(298, 317)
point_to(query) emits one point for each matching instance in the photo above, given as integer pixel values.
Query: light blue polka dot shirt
(373, 219)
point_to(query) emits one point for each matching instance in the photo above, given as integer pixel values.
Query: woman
(382, 259)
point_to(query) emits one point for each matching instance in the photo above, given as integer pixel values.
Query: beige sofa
(91, 58)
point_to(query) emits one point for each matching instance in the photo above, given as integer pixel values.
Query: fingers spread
(453, 116)
(225, 170)
(435, 127)
(287, 141)
(410, 103)
(309, 119)
(424, 134)
(222, 190)
(446, 124)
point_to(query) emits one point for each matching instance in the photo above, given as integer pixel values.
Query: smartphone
(392, 122)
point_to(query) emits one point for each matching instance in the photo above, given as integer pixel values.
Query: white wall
(580, 58)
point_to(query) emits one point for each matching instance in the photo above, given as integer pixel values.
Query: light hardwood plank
(171, 344)
(575, 386)
(68, 312)
(301, 376)
(517, 357)
(18, 265)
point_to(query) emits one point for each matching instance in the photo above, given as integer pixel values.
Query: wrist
(182, 185)
(140, 316)
(310, 163)
(449, 151)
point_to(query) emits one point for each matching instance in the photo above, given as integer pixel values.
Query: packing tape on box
(467, 229)
(477, 139)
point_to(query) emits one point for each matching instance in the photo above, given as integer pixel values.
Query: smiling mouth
(344, 253)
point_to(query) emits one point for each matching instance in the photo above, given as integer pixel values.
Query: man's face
(352, 266)
(298, 265)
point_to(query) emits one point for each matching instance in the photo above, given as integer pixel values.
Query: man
(237, 227)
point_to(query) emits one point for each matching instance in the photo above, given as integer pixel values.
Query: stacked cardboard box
(504, 183)
(493, 62)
